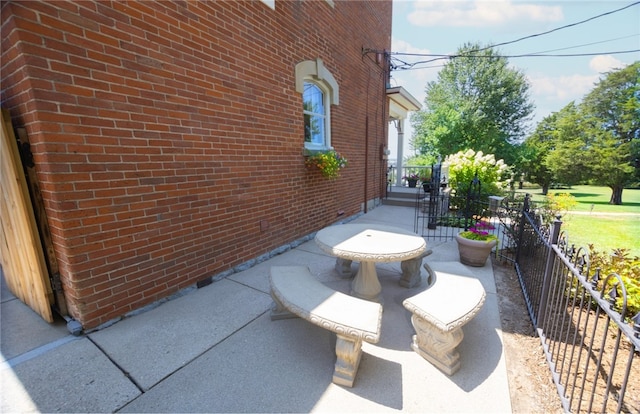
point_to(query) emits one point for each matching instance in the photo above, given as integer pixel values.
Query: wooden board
(22, 256)
(40, 213)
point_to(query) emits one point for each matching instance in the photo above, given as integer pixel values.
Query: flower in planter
(328, 162)
(411, 177)
(480, 232)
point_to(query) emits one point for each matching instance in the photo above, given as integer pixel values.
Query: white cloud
(398, 45)
(563, 89)
(605, 63)
(480, 13)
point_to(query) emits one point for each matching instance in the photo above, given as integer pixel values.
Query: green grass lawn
(605, 233)
(596, 221)
(594, 199)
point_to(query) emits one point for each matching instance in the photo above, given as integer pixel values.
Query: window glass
(314, 115)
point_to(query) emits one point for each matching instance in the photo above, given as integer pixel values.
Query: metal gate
(441, 212)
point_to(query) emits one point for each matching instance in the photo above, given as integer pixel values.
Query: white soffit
(401, 102)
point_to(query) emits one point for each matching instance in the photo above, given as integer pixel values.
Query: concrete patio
(215, 349)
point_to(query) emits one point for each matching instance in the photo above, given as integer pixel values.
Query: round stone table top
(370, 242)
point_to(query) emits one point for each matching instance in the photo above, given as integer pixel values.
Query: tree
(535, 150)
(598, 140)
(477, 102)
(568, 158)
(612, 113)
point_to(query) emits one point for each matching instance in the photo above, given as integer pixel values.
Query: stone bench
(297, 293)
(439, 313)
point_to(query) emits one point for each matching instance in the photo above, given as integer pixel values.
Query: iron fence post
(473, 194)
(525, 209)
(548, 271)
(434, 196)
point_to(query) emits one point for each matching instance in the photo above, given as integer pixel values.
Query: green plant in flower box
(329, 163)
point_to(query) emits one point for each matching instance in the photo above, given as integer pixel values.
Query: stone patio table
(369, 244)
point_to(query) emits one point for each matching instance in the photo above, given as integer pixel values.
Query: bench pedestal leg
(411, 271)
(279, 311)
(343, 267)
(436, 346)
(348, 353)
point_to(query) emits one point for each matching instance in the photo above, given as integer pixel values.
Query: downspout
(366, 144)
(366, 160)
(382, 157)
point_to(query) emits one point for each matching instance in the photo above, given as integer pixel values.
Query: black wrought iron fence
(532, 247)
(441, 212)
(590, 340)
(509, 213)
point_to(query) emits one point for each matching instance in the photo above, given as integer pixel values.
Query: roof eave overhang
(401, 102)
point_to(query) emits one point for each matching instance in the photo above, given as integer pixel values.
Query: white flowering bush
(464, 165)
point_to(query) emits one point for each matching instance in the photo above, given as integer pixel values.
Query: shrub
(464, 165)
(557, 204)
(627, 267)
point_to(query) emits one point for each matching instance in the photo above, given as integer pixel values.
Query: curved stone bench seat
(297, 293)
(439, 313)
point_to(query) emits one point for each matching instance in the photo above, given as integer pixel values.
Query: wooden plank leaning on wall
(22, 256)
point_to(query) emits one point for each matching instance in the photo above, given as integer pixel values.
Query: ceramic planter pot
(474, 252)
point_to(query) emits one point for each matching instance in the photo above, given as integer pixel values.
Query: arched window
(315, 115)
(319, 91)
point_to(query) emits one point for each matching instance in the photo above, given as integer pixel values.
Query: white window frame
(315, 72)
(325, 116)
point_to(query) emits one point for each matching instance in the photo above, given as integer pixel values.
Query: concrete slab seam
(41, 350)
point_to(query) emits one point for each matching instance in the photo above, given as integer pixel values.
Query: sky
(441, 27)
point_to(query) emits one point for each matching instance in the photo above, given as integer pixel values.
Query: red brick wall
(168, 135)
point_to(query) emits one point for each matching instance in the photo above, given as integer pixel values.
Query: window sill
(307, 152)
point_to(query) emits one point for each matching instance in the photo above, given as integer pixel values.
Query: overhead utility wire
(619, 52)
(411, 66)
(561, 27)
(544, 51)
(408, 66)
(585, 44)
(441, 57)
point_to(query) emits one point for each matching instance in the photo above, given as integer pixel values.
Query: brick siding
(168, 135)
